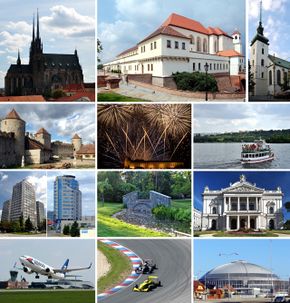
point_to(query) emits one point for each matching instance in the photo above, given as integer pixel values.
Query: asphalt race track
(173, 260)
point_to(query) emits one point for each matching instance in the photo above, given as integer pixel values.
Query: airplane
(32, 265)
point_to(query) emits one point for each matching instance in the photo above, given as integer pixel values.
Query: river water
(227, 156)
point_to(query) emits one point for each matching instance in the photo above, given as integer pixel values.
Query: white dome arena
(241, 275)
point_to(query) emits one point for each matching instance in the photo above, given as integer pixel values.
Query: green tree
(21, 222)
(15, 227)
(103, 188)
(28, 226)
(66, 230)
(181, 185)
(75, 230)
(58, 93)
(99, 48)
(251, 79)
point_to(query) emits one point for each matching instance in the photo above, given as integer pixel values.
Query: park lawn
(47, 296)
(120, 268)
(223, 234)
(184, 203)
(111, 227)
(111, 96)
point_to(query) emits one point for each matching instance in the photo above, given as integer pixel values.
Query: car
(149, 284)
(147, 267)
(283, 299)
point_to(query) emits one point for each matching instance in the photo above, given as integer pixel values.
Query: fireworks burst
(114, 115)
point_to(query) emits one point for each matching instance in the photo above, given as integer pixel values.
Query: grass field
(111, 227)
(47, 296)
(110, 96)
(120, 268)
(185, 204)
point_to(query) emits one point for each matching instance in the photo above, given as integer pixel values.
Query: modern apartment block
(40, 212)
(67, 198)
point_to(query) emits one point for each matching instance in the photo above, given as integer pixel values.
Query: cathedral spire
(18, 59)
(37, 29)
(33, 28)
(261, 5)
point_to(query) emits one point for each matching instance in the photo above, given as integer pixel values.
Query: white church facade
(181, 44)
(270, 73)
(242, 205)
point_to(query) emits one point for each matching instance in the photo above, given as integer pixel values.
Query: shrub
(162, 212)
(195, 81)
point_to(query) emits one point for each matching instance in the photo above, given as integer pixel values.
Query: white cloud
(3, 177)
(40, 185)
(268, 5)
(2, 76)
(13, 42)
(20, 26)
(68, 22)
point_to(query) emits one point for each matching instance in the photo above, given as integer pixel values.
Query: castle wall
(63, 150)
(7, 150)
(33, 156)
(159, 199)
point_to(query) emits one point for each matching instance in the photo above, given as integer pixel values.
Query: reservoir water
(227, 156)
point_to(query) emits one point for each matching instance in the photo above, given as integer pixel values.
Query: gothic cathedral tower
(259, 60)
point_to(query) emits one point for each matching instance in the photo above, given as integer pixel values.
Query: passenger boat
(257, 152)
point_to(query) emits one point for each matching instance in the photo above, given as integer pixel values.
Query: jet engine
(27, 270)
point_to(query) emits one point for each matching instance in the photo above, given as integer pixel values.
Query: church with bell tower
(45, 72)
(270, 73)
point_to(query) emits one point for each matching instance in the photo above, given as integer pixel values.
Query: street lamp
(206, 70)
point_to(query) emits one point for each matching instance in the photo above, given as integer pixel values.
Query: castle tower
(12, 123)
(44, 137)
(76, 142)
(259, 60)
(237, 41)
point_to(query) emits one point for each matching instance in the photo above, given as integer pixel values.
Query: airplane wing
(71, 269)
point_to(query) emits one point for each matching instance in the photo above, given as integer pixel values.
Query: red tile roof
(42, 131)
(165, 30)
(86, 149)
(76, 136)
(32, 144)
(184, 22)
(32, 98)
(229, 53)
(78, 96)
(13, 115)
(131, 49)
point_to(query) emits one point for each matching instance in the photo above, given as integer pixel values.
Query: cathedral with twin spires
(44, 73)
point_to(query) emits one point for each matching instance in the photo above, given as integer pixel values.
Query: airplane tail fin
(65, 265)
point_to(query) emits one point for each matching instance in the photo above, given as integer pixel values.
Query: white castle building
(270, 73)
(242, 205)
(181, 44)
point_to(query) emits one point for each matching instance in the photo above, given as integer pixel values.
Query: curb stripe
(135, 261)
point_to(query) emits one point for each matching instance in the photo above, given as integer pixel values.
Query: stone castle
(19, 148)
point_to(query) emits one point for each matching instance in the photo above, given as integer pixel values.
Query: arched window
(198, 44)
(204, 46)
(271, 210)
(285, 78)
(270, 78)
(191, 39)
(214, 210)
(262, 62)
(278, 76)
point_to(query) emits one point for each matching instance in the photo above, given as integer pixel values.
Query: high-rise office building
(40, 214)
(23, 202)
(5, 217)
(67, 198)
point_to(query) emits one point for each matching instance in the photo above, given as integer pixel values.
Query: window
(155, 45)
(198, 46)
(152, 67)
(193, 66)
(199, 66)
(262, 75)
(210, 66)
(191, 39)
(278, 76)
(214, 210)
(262, 62)
(204, 46)
(271, 210)
(253, 63)
(168, 43)
(183, 45)
(176, 44)
(270, 78)
(253, 51)
(214, 66)
(285, 79)
(263, 51)
(215, 47)
(151, 46)
(148, 67)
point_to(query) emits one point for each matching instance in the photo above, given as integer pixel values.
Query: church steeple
(37, 29)
(260, 30)
(18, 59)
(33, 29)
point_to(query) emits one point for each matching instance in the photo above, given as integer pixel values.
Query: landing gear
(37, 277)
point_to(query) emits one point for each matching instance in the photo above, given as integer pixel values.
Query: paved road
(173, 259)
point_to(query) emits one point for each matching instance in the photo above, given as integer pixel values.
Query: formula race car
(148, 285)
(147, 267)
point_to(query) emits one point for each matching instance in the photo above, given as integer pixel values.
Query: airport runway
(173, 259)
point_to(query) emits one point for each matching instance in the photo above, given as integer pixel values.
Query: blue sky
(275, 18)
(62, 121)
(86, 181)
(218, 180)
(9, 178)
(53, 252)
(243, 116)
(64, 26)
(123, 23)
(271, 254)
